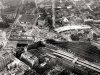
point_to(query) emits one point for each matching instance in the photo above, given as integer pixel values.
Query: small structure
(41, 22)
(3, 38)
(1, 20)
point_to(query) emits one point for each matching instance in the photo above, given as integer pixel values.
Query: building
(27, 20)
(73, 32)
(72, 27)
(5, 59)
(45, 3)
(15, 68)
(1, 20)
(29, 59)
(3, 38)
(9, 14)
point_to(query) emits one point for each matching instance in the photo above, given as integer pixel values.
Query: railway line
(72, 58)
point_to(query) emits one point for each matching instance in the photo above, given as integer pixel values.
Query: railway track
(74, 59)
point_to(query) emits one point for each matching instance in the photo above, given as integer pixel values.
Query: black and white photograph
(49, 37)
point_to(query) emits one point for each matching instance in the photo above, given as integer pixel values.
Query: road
(10, 30)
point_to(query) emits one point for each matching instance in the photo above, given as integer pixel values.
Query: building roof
(71, 27)
(44, 2)
(26, 18)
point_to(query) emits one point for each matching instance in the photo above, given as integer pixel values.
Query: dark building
(4, 25)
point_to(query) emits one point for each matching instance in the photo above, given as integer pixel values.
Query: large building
(5, 59)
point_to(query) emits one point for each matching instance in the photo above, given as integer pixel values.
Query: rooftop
(27, 18)
(72, 27)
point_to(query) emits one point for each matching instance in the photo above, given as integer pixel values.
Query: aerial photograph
(49, 37)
